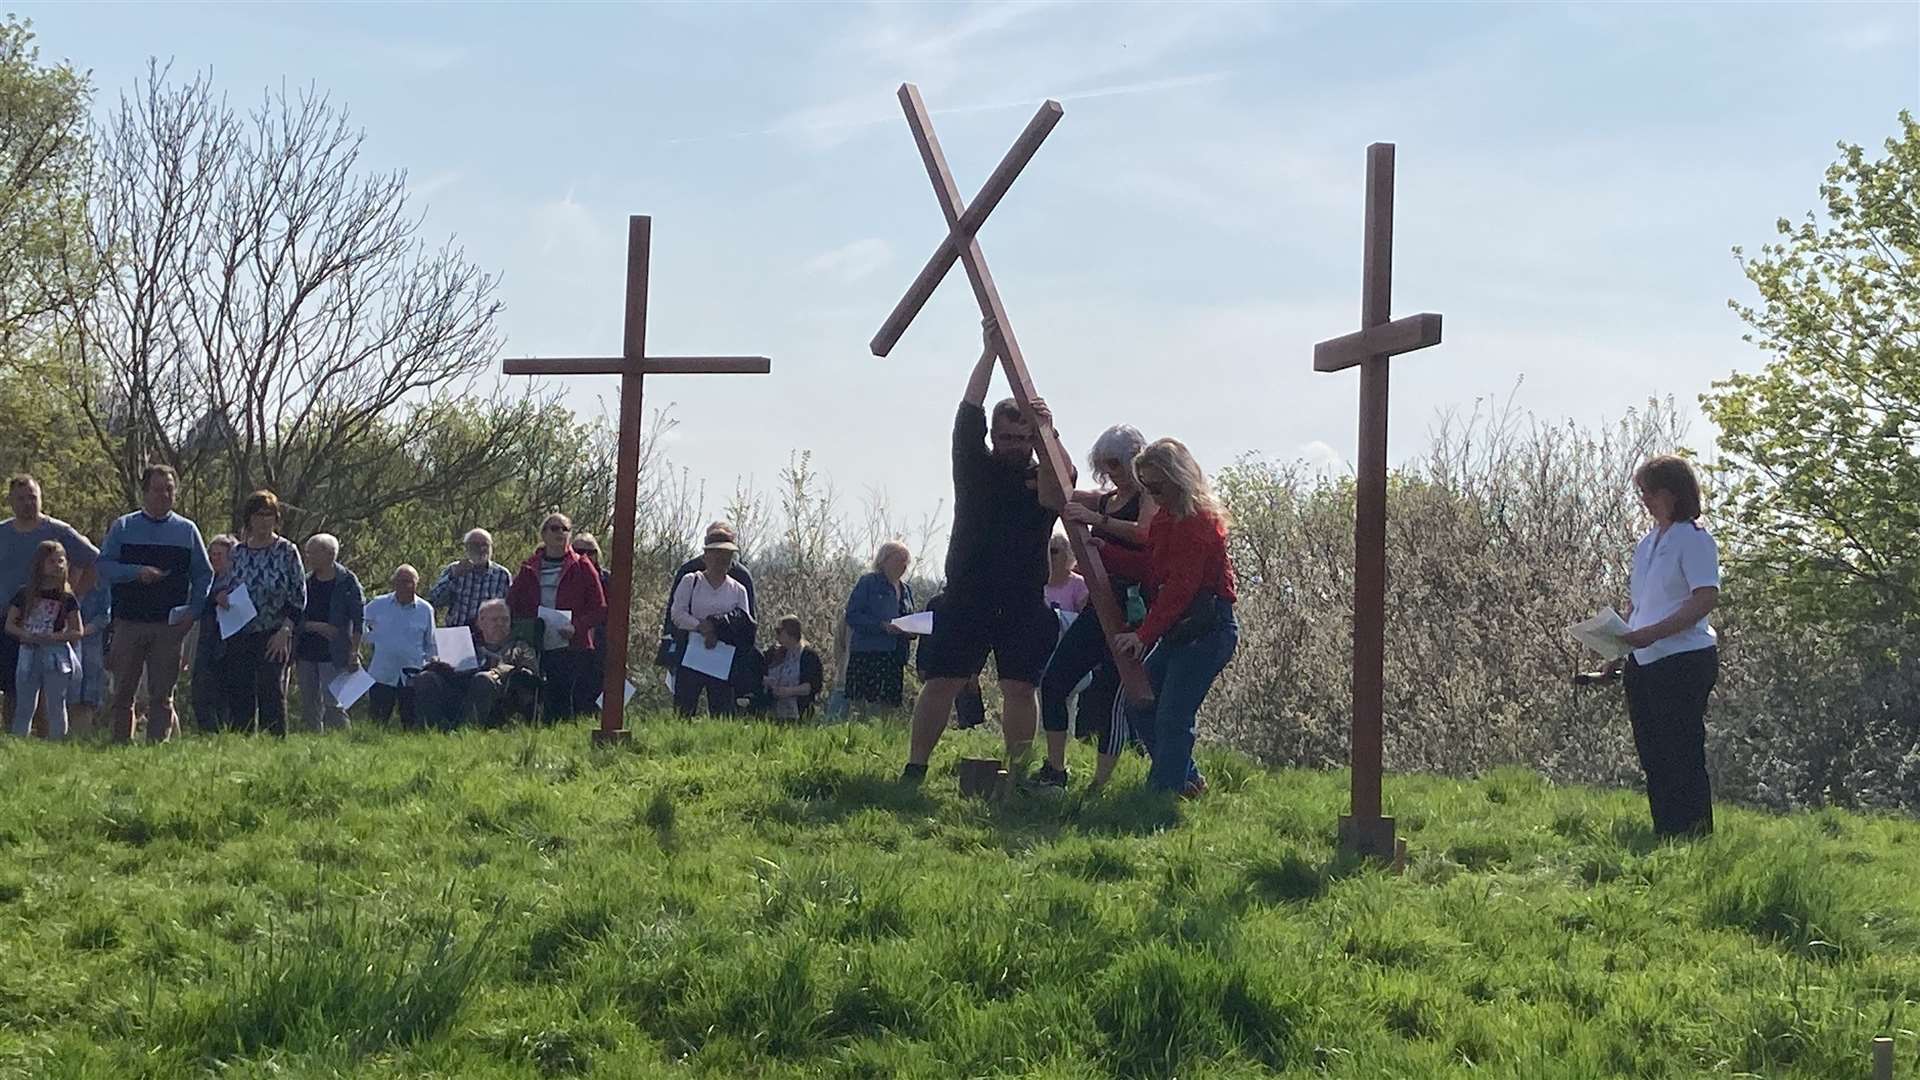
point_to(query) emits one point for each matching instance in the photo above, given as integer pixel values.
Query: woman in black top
(1117, 515)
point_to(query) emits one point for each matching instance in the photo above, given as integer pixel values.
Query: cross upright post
(1364, 830)
(963, 221)
(633, 366)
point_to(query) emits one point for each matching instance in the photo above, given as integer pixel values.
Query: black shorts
(1019, 633)
(9, 659)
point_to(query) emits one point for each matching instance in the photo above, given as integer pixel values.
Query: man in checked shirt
(464, 585)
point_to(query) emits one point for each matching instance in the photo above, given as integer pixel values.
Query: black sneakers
(1049, 781)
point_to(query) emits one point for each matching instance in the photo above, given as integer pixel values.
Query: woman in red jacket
(558, 578)
(1190, 632)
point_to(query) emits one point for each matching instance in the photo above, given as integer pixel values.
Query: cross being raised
(963, 221)
(633, 365)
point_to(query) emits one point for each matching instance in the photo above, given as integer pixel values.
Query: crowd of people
(90, 630)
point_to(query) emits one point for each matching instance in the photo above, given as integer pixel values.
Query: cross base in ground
(1370, 837)
(616, 737)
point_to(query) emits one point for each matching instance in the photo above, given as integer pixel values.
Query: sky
(1571, 181)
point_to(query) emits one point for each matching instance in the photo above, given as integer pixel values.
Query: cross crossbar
(1056, 473)
(965, 226)
(652, 365)
(1388, 339)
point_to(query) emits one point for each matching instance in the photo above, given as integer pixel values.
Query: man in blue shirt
(157, 565)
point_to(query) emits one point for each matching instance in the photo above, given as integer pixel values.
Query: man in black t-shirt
(995, 597)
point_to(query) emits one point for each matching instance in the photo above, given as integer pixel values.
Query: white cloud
(851, 262)
(565, 225)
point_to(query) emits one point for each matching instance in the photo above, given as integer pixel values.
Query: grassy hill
(741, 900)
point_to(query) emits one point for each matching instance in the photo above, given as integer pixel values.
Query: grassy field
(740, 900)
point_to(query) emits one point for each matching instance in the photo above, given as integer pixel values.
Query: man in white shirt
(400, 629)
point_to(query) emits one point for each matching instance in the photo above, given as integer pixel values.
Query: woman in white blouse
(1675, 659)
(703, 602)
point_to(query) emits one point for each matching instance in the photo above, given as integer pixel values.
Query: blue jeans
(43, 670)
(1181, 676)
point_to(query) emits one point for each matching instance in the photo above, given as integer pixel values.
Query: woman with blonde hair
(1190, 632)
(877, 649)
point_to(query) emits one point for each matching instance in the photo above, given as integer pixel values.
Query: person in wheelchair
(505, 687)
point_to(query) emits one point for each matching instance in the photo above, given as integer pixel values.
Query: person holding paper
(1190, 632)
(994, 602)
(257, 656)
(158, 566)
(877, 648)
(206, 649)
(666, 656)
(501, 682)
(330, 631)
(399, 626)
(559, 579)
(1116, 515)
(713, 606)
(1675, 660)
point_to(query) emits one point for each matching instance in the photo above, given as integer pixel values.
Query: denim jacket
(871, 607)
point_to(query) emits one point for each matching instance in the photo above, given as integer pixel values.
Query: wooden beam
(706, 365)
(566, 365)
(1056, 471)
(962, 230)
(1391, 339)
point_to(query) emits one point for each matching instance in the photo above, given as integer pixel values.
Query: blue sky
(1571, 179)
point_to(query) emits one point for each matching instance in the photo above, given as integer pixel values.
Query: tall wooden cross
(963, 221)
(1364, 830)
(633, 365)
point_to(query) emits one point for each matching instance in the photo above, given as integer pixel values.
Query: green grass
(738, 900)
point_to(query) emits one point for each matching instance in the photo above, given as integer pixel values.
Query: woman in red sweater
(558, 578)
(1189, 633)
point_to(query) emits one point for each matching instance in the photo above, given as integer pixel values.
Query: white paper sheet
(551, 618)
(601, 701)
(176, 616)
(919, 623)
(717, 661)
(350, 687)
(1603, 633)
(238, 612)
(455, 646)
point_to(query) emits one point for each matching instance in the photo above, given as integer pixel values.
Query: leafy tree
(42, 156)
(1819, 476)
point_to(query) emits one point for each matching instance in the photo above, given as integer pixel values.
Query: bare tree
(267, 315)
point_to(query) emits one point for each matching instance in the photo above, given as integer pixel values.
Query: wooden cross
(1364, 830)
(633, 365)
(963, 221)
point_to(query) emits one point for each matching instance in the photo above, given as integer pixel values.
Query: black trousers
(254, 684)
(1082, 651)
(562, 671)
(381, 699)
(688, 684)
(1667, 704)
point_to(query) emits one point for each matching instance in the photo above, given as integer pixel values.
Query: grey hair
(408, 567)
(1122, 442)
(489, 605)
(328, 541)
(480, 534)
(225, 540)
(887, 549)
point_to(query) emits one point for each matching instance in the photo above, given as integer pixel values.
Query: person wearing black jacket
(794, 673)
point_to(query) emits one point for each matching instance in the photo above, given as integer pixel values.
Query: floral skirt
(876, 678)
